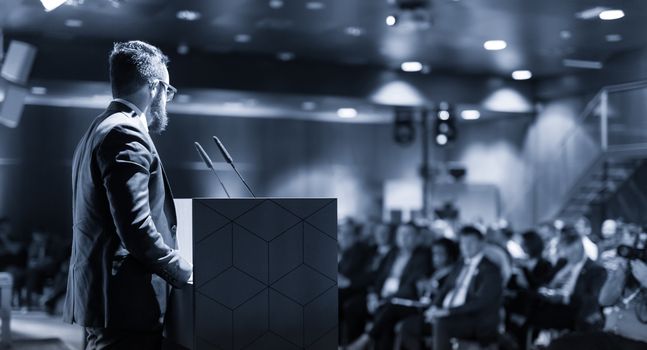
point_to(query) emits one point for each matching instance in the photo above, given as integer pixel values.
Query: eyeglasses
(170, 90)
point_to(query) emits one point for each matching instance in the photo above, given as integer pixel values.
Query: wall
(290, 158)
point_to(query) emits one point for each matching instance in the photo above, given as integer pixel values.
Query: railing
(613, 122)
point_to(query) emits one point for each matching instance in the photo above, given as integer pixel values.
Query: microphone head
(203, 155)
(223, 150)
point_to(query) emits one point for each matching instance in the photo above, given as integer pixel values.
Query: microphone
(209, 163)
(229, 160)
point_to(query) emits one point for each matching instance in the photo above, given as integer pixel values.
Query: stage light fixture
(444, 128)
(495, 45)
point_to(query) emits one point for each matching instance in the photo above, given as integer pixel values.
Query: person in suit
(468, 306)
(395, 279)
(124, 224)
(570, 299)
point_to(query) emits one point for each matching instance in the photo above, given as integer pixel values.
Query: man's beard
(159, 118)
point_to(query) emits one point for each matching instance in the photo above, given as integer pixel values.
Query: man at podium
(124, 224)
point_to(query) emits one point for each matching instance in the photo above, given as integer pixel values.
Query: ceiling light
(188, 15)
(591, 13)
(243, 38)
(470, 114)
(613, 38)
(285, 56)
(315, 5)
(39, 90)
(443, 115)
(347, 113)
(74, 23)
(276, 4)
(610, 15)
(441, 139)
(521, 75)
(51, 5)
(354, 31)
(494, 45)
(582, 64)
(391, 21)
(412, 66)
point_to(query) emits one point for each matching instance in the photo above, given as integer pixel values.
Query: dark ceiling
(540, 33)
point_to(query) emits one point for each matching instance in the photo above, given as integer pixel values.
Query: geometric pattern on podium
(265, 273)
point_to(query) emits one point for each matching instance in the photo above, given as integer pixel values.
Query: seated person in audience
(396, 280)
(496, 250)
(468, 306)
(528, 275)
(383, 237)
(355, 257)
(624, 295)
(583, 227)
(12, 252)
(445, 253)
(570, 299)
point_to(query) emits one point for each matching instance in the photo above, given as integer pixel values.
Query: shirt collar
(138, 112)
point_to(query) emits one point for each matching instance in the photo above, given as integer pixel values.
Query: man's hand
(434, 313)
(639, 270)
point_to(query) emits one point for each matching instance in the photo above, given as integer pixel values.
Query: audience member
(569, 300)
(468, 307)
(396, 280)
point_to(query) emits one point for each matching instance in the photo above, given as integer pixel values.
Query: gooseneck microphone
(209, 163)
(229, 160)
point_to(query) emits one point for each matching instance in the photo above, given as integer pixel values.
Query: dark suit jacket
(584, 300)
(484, 295)
(418, 266)
(355, 264)
(124, 227)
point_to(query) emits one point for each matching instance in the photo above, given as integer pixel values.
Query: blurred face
(406, 238)
(583, 227)
(571, 252)
(439, 256)
(546, 232)
(381, 235)
(346, 237)
(157, 109)
(470, 245)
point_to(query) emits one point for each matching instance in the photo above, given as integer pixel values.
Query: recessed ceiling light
(354, 31)
(412, 66)
(391, 21)
(308, 105)
(188, 15)
(470, 114)
(610, 15)
(495, 45)
(613, 38)
(315, 5)
(73, 23)
(441, 139)
(39, 90)
(347, 113)
(521, 75)
(443, 115)
(276, 4)
(285, 56)
(243, 38)
(51, 5)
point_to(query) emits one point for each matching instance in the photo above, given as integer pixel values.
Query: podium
(265, 274)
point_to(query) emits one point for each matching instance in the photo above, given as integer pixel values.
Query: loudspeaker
(13, 103)
(18, 61)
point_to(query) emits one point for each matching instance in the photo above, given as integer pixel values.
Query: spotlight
(444, 129)
(495, 45)
(412, 66)
(521, 75)
(391, 21)
(610, 15)
(51, 5)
